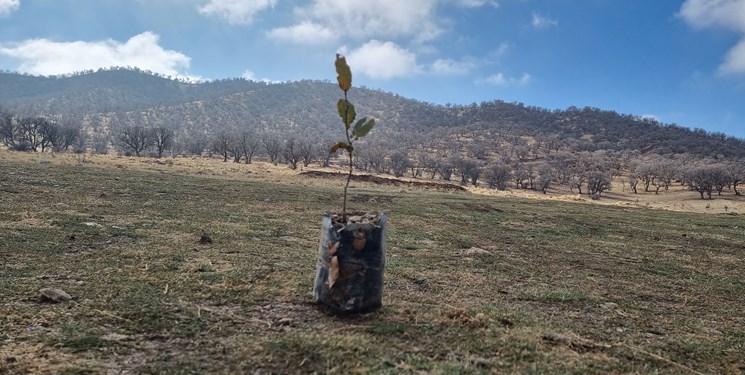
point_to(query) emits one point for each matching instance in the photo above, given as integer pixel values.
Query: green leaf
(344, 73)
(346, 112)
(362, 127)
(339, 145)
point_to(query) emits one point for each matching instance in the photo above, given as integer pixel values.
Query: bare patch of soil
(386, 181)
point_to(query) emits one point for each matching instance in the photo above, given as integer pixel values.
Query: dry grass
(474, 283)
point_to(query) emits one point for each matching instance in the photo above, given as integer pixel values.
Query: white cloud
(725, 14)
(501, 80)
(303, 33)
(734, 62)
(729, 14)
(383, 60)
(249, 75)
(376, 18)
(453, 67)
(8, 6)
(475, 3)
(237, 12)
(540, 22)
(45, 57)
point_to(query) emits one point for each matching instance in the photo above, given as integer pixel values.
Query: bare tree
(28, 132)
(479, 149)
(545, 172)
(101, 143)
(323, 155)
(69, 135)
(196, 144)
(700, 179)
(497, 175)
(373, 157)
(8, 128)
(720, 177)
(49, 133)
(307, 151)
(598, 182)
(399, 163)
(135, 138)
(290, 153)
(633, 180)
(736, 171)
(445, 169)
(221, 145)
(272, 146)
(163, 139)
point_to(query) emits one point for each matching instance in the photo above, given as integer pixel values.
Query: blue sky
(679, 61)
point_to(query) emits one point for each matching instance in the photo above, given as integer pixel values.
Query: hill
(133, 96)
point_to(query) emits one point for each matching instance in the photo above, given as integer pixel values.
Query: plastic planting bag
(351, 263)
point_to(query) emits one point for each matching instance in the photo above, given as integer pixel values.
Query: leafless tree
(101, 143)
(700, 179)
(8, 128)
(736, 171)
(195, 144)
(445, 169)
(399, 163)
(273, 147)
(135, 138)
(496, 175)
(545, 173)
(28, 132)
(374, 157)
(290, 153)
(162, 138)
(598, 182)
(49, 133)
(307, 151)
(221, 145)
(69, 135)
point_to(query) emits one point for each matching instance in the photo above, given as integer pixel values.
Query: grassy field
(474, 284)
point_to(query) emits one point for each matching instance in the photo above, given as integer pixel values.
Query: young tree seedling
(353, 130)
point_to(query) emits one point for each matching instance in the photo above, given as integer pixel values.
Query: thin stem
(349, 152)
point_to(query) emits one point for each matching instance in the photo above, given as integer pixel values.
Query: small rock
(92, 224)
(148, 203)
(205, 238)
(54, 295)
(609, 305)
(62, 206)
(713, 331)
(476, 251)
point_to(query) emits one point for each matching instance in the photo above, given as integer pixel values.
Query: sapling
(353, 130)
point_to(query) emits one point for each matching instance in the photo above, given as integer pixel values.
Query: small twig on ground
(660, 358)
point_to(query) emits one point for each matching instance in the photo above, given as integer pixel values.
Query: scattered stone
(205, 238)
(285, 321)
(148, 203)
(92, 224)
(609, 305)
(476, 251)
(54, 295)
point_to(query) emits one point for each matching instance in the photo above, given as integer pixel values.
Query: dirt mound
(386, 181)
